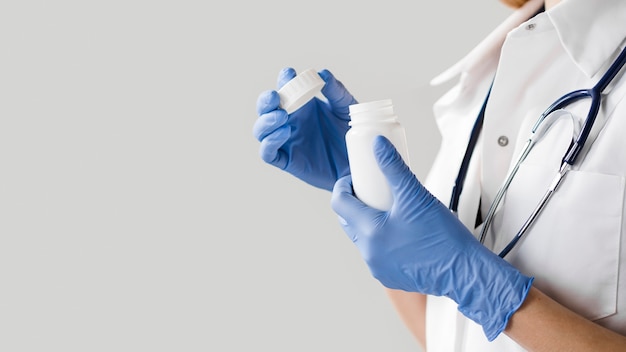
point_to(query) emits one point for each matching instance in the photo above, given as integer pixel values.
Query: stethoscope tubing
(594, 94)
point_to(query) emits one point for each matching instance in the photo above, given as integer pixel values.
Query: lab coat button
(503, 141)
(530, 26)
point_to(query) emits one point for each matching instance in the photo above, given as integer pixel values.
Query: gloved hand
(309, 143)
(420, 246)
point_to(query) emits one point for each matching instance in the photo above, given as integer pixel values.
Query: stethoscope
(539, 129)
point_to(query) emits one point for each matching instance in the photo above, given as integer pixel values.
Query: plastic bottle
(368, 120)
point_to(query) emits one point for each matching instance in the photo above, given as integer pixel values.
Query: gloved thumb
(338, 96)
(404, 185)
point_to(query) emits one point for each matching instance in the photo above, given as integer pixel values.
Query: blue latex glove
(309, 143)
(420, 246)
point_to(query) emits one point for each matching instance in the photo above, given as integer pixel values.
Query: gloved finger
(267, 101)
(354, 212)
(285, 75)
(336, 93)
(270, 150)
(268, 123)
(404, 185)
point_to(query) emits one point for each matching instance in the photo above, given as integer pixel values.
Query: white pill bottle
(368, 120)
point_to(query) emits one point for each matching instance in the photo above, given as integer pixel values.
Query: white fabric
(575, 249)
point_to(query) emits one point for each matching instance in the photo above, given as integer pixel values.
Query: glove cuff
(497, 291)
(495, 327)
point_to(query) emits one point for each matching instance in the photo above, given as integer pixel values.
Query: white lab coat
(575, 249)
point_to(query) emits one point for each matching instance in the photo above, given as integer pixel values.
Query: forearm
(542, 324)
(411, 307)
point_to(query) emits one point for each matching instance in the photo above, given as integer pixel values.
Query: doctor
(563, 286)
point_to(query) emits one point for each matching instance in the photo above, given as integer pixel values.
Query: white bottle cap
(300, 90)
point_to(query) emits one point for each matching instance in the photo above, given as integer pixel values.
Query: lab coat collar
(580, 24)
(591, 31)
(490, 46)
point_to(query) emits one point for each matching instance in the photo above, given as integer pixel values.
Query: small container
(299, 90)
(368, 120)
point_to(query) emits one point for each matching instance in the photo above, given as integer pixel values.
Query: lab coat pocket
(572, 248)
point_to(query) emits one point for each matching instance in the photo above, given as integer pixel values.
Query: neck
(550, 3)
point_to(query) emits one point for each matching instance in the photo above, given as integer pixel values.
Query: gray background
(135, 214)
